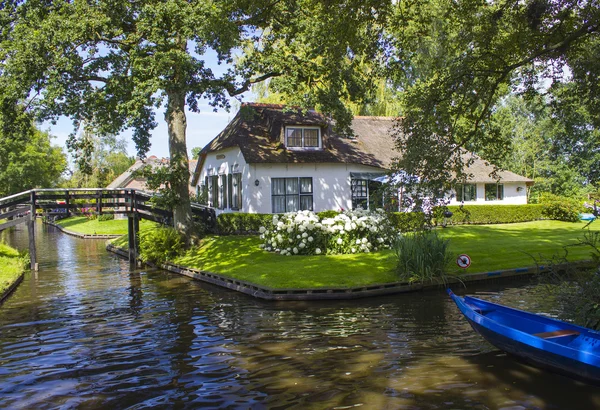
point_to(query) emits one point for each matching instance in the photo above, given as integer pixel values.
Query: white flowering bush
(303, 233)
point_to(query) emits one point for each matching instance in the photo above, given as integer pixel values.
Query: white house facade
(270, 159)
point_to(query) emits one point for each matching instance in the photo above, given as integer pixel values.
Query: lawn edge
(13, 286)
(335, 293)
(82, 235)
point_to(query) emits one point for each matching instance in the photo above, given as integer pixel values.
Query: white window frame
(499, 188)
(460, 197)
(300, 194)
(302, 128)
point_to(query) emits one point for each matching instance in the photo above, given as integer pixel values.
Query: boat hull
(545, 342)
(540, 358)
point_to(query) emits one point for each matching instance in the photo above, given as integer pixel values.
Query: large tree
(113, 63)
(454, 60)
(550, 139)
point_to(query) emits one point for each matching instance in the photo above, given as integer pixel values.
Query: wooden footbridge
(24, 207)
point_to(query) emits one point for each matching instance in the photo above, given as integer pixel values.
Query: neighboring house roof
(129, 179)
(258, 131)
(482, 171)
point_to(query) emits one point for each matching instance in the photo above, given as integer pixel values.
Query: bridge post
(133, 227)
(31, 232)
(67, 203)
(99, 203)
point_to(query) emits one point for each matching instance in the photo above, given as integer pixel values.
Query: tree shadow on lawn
(493, 247)
(517, 236)
(70, 222)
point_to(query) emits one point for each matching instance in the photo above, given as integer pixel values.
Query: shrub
(327, 214)
(161, 244)
(241, 223)
(106, 217)
(407, 221)
(561, 209)
(304, 233)
(491, 214)
(421, 256)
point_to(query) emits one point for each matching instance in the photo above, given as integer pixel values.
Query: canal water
(87, 332)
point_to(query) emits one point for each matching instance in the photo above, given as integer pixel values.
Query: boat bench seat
(557, 333)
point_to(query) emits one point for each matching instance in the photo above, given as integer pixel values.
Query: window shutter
(229, 193)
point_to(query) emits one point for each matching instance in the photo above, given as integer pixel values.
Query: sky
(201, 128)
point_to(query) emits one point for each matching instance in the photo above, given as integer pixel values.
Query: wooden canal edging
(262, 292)
(24, 207)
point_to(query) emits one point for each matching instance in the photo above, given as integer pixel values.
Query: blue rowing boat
(552, 344)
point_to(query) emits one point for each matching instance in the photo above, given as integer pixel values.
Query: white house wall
(512, 195)
(331, 182)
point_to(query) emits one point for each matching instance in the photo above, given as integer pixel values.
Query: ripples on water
(86, 332)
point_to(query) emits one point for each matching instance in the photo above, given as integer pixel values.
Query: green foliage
(578, 290)
(160, 244)
(561, 208)
(98, 160)
(407, 221)
(552, 140)
(202, 195)
(241, 223)
(106, 217)
(422, 256)
(29, 162)
(492, 214)
(581, 299)
(456, 60)
(327, 214)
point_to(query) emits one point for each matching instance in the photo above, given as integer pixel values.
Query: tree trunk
(176, 122)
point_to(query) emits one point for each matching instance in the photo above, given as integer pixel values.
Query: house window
(360, 193)
(213, 190)
(494, 192)
(466, 192)
(291, 194)
(302, 137)
(222, 191)
(235, 191)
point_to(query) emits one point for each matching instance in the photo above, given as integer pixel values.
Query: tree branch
(232, 91)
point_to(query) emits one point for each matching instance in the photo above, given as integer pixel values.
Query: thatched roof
(483, 172)
(258, 131)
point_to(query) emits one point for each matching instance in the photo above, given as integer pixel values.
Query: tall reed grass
(422, 256)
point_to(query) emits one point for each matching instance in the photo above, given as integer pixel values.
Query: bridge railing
(25, 206)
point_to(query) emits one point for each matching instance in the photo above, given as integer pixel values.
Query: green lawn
(491, 247)
(11, 266)
(81, 224)
(494, 247)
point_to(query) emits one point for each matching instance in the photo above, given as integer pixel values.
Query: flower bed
(304, 233)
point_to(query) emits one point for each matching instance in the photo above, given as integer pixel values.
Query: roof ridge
(376, 117)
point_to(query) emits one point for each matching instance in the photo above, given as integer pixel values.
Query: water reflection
(90, 333)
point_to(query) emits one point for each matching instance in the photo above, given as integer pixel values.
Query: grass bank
(12, 265)
(491, 247)
(83, 225)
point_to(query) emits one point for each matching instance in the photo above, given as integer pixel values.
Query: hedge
(241, 223)
(493, 214)
(244, 224)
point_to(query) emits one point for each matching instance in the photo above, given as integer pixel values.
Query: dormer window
(303, 137)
